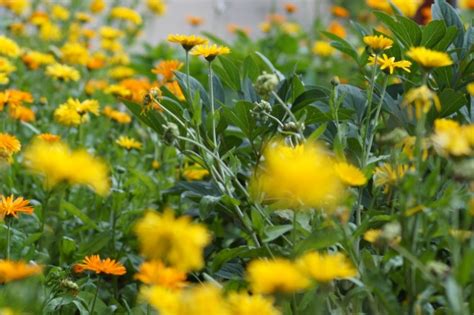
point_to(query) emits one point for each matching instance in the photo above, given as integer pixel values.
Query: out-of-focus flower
(118, 116)
(166, 69)
(340, 11)
(337, 29)
(6, 66)
(326, 267)
(96, 264)
(466, 4)
(378, 42)
(423, 99)
(9, 145)
(97, 6)
(128, 143)
(408, 8)
(138, 89)
(428, 58)
(156, 273)
(11, 206)
(74, 53)
(470, 89)
(210, 52)
(187, 41)
(109, 32)
(155, 164)
(62, 72)
(59, 12)
(291, 27)
(262, 276)
(175, 89)
(161, 236)
(126, 14)
(56, 163)
(50, 32)
(118, 90)
(265, 27)
(350, 175)
(121, 72)
(48, 137)
(17, 28)
(450, 138)
(35, 59)
(83, 17)
(17, 270)
(386, 175)
(243, 303)
(290, 8)
(194, 172)
(323, 49)
(235, 28)
(96, 61)
(95, 85)
(14, 98)
(8, 47)
(4, 79)
(372, 235)
(194, 21)
(22, 113)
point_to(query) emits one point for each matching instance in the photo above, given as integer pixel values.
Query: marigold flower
(385, 175)
(210, 52)
(337, 29)
(50, 32)
(63, 72)
(14, 98)
(340, 11)
(4, 79)
(121, 72)
(6, 66)
(35, 59)
(56, 163)
(74, 53)
(194, 20)
(138, 89)
(156, 273)
(12, 207)
(428, 58)
(175, 89)
(48, 137)
(166, 69)
(17, 270)
(22, 113)
(96, 264)
(423, 99)
(109, 32)
(194, 172)
(126, 14)
(128, 143)
(245, 304)
(350, 174)
(277, 275)
(161, 235)
(118, 116)
(378, 42)
(323, 49)
(59, 12)
(298, 177)
(187, 41)
(449, 138)
(326, 267)
(291, 27)
(75, 112)
(9, 145)
(118, 90)
(8, 47)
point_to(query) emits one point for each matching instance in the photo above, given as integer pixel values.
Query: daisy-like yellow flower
(210, 52)
(372, 235)
(126, 14)
(298, 177)
(75, 112)
(56, 163)
(96, 264)
(109, 32)
(422, 98)
(187, 41)
(350, 174)
(194, 172)
(121, 72)
(4, 79)
(8, 47)
(326, 267)
(59, 12)
(156, 6)
(118, 90)
(156, 273)
(428, 58)
(386, 176)
(277, 275)
(118, 116)
(11, 206)
(9, 145)
(378, 43)
(245, 304)
(408, 8)
(128, 143)
(62, 72)
(13, 98)
(35, 59)
(161, 236)
(17, 270)
(48, 137)
(449, 138)
(6, 66)
(323, 49)
(166, 69)
(389, 64)
(74, 53)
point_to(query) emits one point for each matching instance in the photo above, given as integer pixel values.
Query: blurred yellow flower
(243, 303)
(276, 275)
(156, 6)
(97, 6)
(291, 27)
(428, 58)
(326, 267)
(118, 90)
(35, 59)
(210, 52)
(385, 175)
(350, 175)
(161, 236)
(118, 116)
(9, 145)
(187, 41)
(126, 14)
(74, 112)
(298, 177)
(408, 8)
(6, 66)
(17, 270)
(423, 99)
(56, 163)
(109, 32)
(128, 143)
(156, 273)
(323, 49)
(194, 172)
(22, 113)
(59, 12)
(50, 32)
(74, 53)
(48, 137)
(470, 89)
(4, 79)
(8, 47)
(378, 42)
(121, 72)
(372, 235)
(449, 138)
(62, 72)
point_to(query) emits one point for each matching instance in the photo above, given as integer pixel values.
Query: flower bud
(170, 133)
(265, 84)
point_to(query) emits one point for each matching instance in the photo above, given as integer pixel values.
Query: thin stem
(95, 296)
(370, 95)
(211, 91)
(188, 86)
(7, 254)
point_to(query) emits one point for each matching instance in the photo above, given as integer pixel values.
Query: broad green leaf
(75, 212)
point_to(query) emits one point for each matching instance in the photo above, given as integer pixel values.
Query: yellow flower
(16, 6)
(470, 89)
(461, 235)
(74, 53)
(389, 64)
(378, 42)
(244, 304)
(194, 172)
(17, 270)
(6, 66)
(121, 72)
(83, 17)
(56, 163)
(326, 267)
(8, 47)
(303, 176)
(118, 90)
(95, 85)
(385, 175)
(62, 72)
(126, 14)
(290, 27)
(422, 98)
(35, 59)
(161, 236)
(120, 117)
(428, 58)
(109, 32)
(164, 300)
(75, 112)
(466, 4)
(323, 49)
(157, 6)
(97, 6)
(209, 52)
(155, 164)
(265, 27)
(9, 145)
(50, 32)
(128, 143)
(166, 69)
(372, 235)
(4, 79)
(350, 174)
(449, 138)
(156, 273)
(11, 207)
(187, 41)
(59, 12)
(408, 8)
(277, 275)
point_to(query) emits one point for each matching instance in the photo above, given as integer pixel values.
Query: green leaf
(441, 10)
(75, 212)
(228, 72)
(319, 239)
(433, 33)
(343, 46)
(94, 245)
(241, 117)
(451, 101)
(310, 96)
(404, 29)
(317, 132)
(228, 254)
(274, 232)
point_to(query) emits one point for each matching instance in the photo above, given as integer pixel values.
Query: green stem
(370, 95)
(8, 221)
(211, 91)
(95, 296)
(188, 85)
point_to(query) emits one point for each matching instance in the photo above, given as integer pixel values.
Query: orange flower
(174, 88)
(11, 207)
(16, 270)
(166, 69)
(290, 8)
(14, 98)
(48, 137)
(137, 88)
(106, 266)
(194, 20)
(22, 113)
(156, 273)
(340, 11)
(337, 29)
